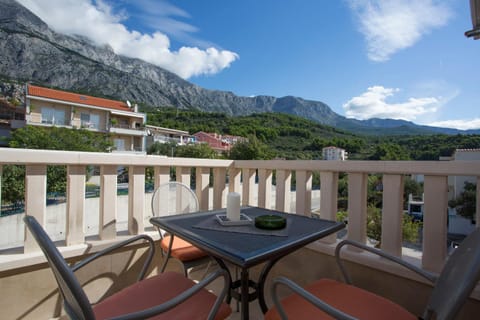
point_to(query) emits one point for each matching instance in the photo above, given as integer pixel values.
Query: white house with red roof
(49, 107)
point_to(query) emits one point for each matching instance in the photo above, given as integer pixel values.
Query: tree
(389, 151)
(13, 183)
(200, 151)
(375, 190)
(166, 149)
(32, 137)
(374, 223)
(250, 149)
(55, 138)
(374, 226)
(465, 203)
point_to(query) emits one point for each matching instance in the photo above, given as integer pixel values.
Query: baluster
(304, 192)
(283, 197)
(328, 200)
(136, 199)
(35, 200)
(435, 222)
(248, 194)
(357, 207)
(392, 214)
(75, 204)
(108, 202)
(264, 188)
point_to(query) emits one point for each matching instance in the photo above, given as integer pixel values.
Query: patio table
(246, 246)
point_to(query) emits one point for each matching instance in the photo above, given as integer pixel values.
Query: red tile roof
(77, 98)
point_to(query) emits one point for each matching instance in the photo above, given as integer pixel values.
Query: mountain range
(31, 51)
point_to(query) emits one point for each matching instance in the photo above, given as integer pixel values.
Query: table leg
(245, 284)
(261, 284)
(245, 298)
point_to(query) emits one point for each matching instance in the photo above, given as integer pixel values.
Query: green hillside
(293, 137)
(289, 136)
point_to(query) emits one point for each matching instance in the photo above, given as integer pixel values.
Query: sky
(397, 59)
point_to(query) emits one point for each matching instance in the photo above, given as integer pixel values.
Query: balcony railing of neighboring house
(121, 126)
(90, 125)
(58, 123)
(253, 179)
(127, 126)
(165, 139)
(127, 129)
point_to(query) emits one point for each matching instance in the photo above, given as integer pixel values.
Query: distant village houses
(218, 142)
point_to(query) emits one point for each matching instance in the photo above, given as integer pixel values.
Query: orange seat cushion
(354, 301)
(155, 290)
(181, 249)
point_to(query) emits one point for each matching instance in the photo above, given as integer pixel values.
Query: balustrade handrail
(56, 157)
(435, 168)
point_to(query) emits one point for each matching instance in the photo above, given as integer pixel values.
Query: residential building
(11, 117)
(48, 107)
(334, 153)
(217, 142)
(166, 135)
(457, 183)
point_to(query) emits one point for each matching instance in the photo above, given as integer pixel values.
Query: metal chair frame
(461, 271)
(76, 303)
(186, 265)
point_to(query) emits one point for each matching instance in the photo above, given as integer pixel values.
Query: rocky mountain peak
(31, 51)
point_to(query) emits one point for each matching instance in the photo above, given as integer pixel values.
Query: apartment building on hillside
(49, 107)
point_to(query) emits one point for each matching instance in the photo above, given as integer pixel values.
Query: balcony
(127, 130)
(29, 286)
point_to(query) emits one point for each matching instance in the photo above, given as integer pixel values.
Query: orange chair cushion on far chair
(152, 291)
(181, 249)
(349, 299)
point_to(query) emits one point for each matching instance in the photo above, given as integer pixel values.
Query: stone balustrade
(253, 179)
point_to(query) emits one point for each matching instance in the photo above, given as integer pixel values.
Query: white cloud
(373, 104)
(457, 124)
(393, 25)
(97, 21)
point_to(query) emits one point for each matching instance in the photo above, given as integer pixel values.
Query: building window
(53, 116)
(124, 123)
(91, 121)
(119, 144)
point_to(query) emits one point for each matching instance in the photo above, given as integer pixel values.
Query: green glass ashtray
(270, 221)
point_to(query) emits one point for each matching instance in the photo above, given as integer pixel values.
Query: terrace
(29, 285)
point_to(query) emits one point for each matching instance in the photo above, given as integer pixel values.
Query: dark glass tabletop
(248, 246)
